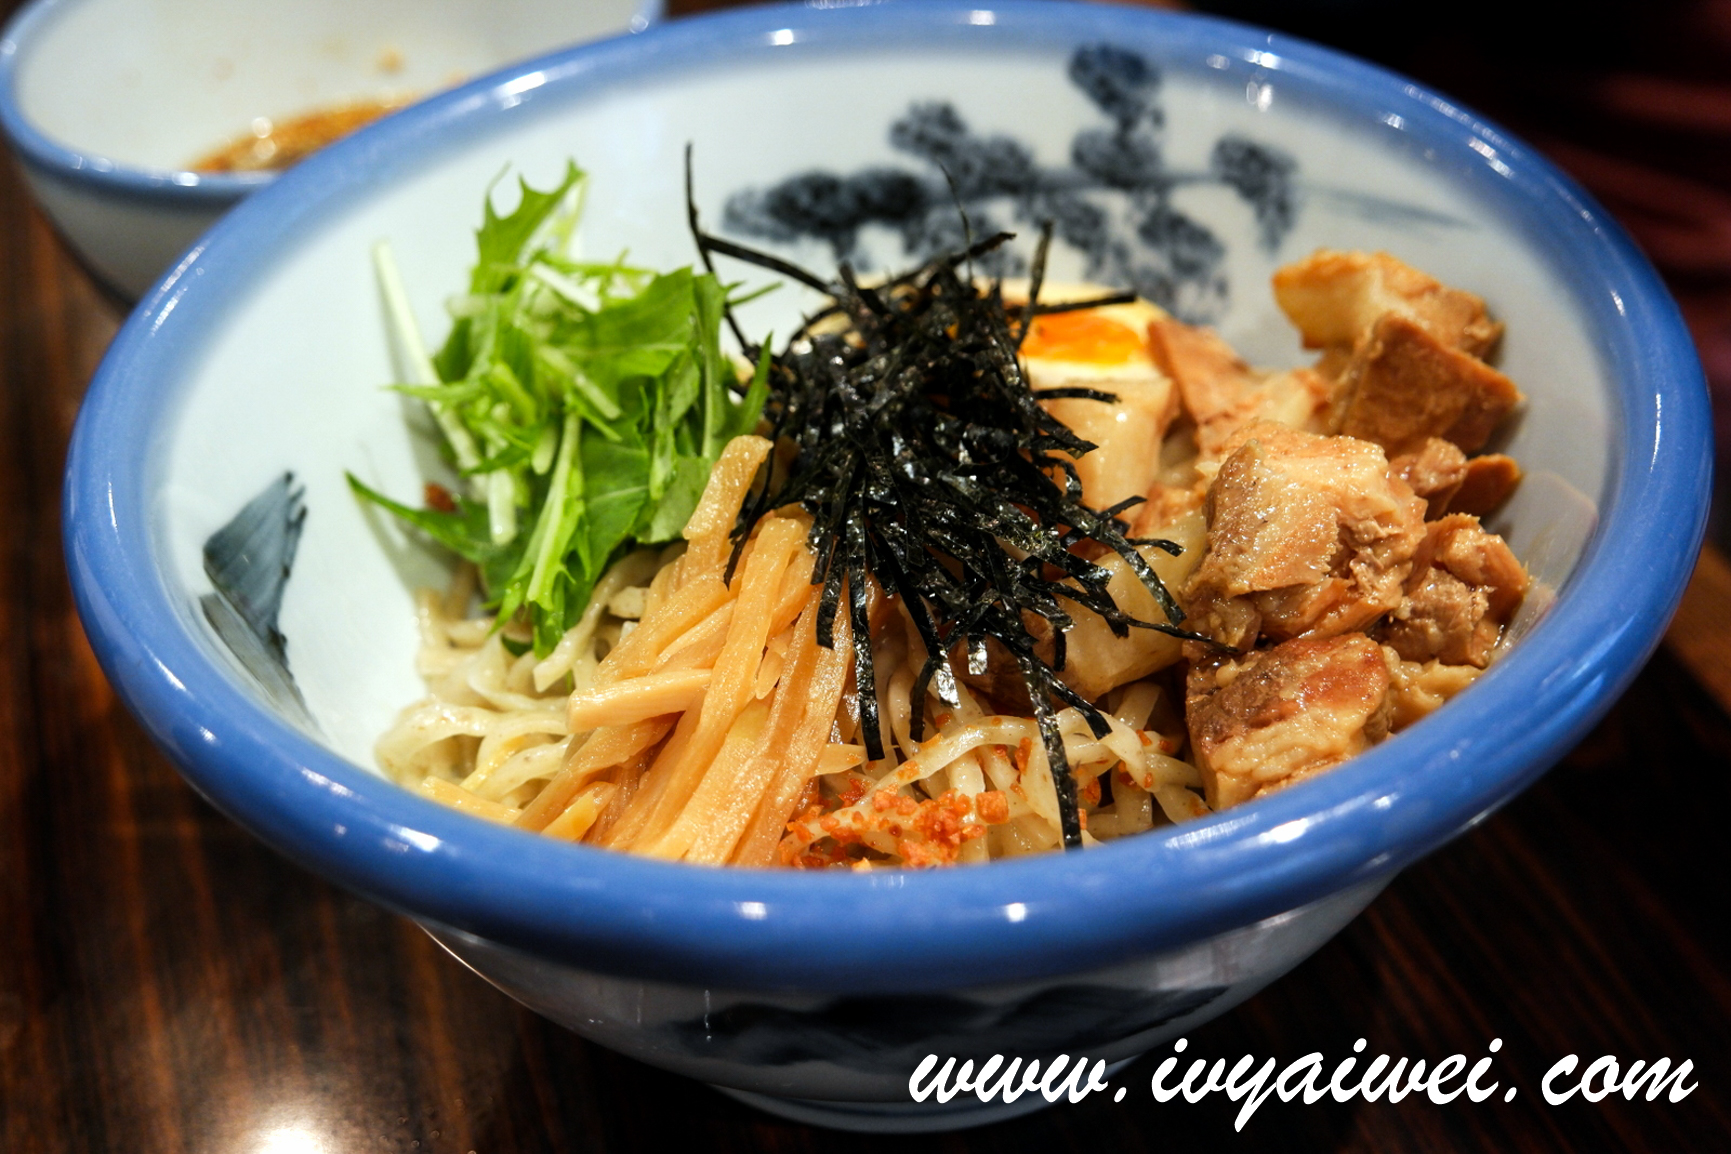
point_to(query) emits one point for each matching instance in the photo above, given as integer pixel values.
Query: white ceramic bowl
(1187, 156)
(108, 102)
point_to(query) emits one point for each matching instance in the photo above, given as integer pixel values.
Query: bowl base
(910, 1117)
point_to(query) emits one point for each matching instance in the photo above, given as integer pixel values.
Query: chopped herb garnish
(583, 403)
(927, 463)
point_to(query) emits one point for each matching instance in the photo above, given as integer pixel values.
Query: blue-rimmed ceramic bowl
(108, 102)
(1187, 156)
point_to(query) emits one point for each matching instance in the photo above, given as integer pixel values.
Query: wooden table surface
(168, 984)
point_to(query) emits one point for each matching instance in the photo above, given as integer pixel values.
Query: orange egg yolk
(1087, 337)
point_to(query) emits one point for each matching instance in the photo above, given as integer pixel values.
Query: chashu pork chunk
(1465, 587)
(1402, 385)
(1336, 298)
(1223, 395)
(1307, 536)
(1278, 715)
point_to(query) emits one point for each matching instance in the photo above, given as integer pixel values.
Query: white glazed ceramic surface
(151, 87)
(827, 1050)
(126, 241)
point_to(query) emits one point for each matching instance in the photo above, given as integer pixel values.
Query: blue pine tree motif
(1112, 202)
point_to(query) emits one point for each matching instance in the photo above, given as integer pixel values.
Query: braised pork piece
(1344, 572)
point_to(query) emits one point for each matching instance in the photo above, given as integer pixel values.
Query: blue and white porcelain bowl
(1187, 156)
(108, 103)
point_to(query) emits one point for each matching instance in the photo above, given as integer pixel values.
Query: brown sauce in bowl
(273, 145)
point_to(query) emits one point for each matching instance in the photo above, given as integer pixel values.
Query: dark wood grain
(167, 984)
(1699, 635)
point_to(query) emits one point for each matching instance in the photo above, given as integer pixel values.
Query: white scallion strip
(407, 334)
(501, 506)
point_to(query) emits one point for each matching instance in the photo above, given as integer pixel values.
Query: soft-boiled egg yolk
(1105, 349)
(1082, 337)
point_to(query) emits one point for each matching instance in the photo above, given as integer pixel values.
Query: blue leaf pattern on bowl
(891, 1034)
(248, 562)
(1112, 202)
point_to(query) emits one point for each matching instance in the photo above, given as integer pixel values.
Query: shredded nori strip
(926, 462)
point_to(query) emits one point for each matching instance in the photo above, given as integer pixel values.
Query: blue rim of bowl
(56, 159)
(906, 931)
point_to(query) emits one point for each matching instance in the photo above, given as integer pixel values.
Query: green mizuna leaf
(463, 532)
(678, 500)
(501, 240)
(584, 402)
(620, 490)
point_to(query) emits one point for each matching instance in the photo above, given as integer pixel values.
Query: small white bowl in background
(108, 103)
